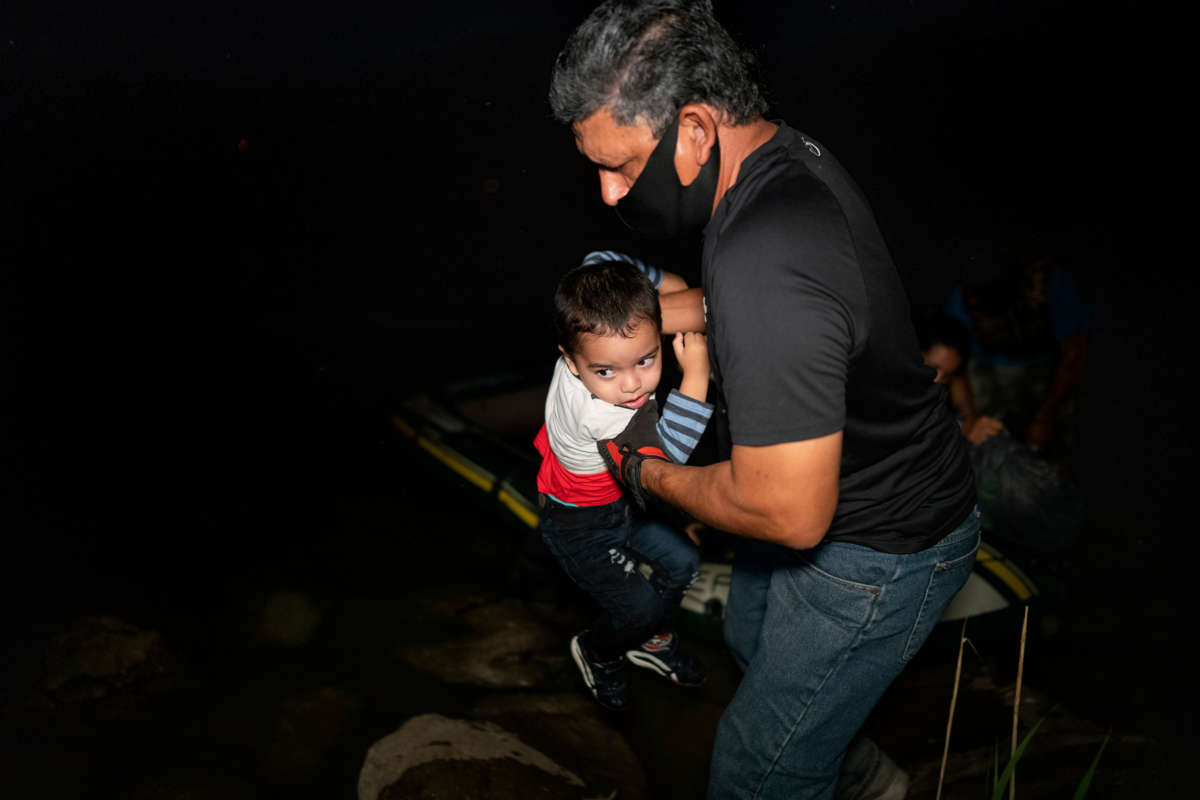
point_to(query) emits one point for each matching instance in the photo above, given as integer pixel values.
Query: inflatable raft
(482, 431)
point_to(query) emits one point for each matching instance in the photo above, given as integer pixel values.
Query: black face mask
(658, 205)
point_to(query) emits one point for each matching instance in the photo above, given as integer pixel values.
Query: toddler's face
(622, 370)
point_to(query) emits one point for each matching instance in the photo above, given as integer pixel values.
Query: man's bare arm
(975, 428)
(1068, 374)
(783, 493)
(671, 283)
(682, 311)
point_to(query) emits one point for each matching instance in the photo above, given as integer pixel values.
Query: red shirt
(581, 490)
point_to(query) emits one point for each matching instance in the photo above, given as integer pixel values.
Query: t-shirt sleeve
(785, 332)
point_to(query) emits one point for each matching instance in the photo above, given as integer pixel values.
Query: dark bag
(1023, 498)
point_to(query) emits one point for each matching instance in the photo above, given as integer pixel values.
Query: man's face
(622, 370)
(618, 151)
(946, 360)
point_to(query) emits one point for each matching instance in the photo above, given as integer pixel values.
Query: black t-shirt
(809, 333)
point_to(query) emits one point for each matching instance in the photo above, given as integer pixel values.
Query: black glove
(625, 452)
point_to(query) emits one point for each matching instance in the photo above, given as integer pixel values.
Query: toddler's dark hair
(602, 299)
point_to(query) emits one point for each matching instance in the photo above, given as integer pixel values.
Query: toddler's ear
(570, 362)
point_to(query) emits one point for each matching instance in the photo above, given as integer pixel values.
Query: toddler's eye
(647, 361)
(604, 373)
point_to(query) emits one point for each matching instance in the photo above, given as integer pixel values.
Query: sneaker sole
(586, 672)
(584, 669)
(640, 658)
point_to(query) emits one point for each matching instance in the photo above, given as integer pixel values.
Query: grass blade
(1002, 783)
(1086, 783)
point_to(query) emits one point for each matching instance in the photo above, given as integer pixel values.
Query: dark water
(202, 343)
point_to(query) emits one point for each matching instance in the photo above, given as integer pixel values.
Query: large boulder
(432, 756)
(513, 746)
(570, 728)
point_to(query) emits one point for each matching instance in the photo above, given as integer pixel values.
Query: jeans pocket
(945, 579)
(845, 602)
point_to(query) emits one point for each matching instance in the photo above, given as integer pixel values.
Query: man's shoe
(607, 680)
(662, 654)
(868, 773)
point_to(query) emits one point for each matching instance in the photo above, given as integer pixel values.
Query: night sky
(188, 324)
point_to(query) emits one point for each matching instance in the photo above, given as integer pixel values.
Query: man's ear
(694, 144)
(570, 361)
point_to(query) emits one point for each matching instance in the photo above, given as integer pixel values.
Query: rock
(289, 618)
(98, 656)
(570, 729)
(504, 645)
(433, 756)
(307, 730)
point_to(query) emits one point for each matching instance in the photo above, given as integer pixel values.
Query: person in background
(1023, 498)
(945, 346)
(1028, 332)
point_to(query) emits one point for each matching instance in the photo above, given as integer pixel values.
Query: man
(844, 472)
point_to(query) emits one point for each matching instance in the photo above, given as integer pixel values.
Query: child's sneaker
(661, 653)
(607, 680)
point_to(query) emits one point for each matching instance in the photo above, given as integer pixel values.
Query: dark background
(196, 335)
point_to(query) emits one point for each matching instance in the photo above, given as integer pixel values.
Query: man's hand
(625, 452)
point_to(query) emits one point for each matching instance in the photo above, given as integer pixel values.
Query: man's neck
(737, 143)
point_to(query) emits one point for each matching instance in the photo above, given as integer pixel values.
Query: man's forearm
(784, 493)
(671, 283)
(706, 493)
(961, 398)
(682, 311)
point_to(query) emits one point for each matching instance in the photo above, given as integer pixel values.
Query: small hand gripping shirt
(572, 471)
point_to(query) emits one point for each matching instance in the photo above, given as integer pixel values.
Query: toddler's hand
(691, 351)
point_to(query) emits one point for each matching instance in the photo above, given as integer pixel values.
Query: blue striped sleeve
(649, 270)
(682, 423)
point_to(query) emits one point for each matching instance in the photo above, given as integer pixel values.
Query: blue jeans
(600, 547)
(821, 634)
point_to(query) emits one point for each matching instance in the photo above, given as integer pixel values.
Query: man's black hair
(945, 330)
(603, 298)
(646, 60)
